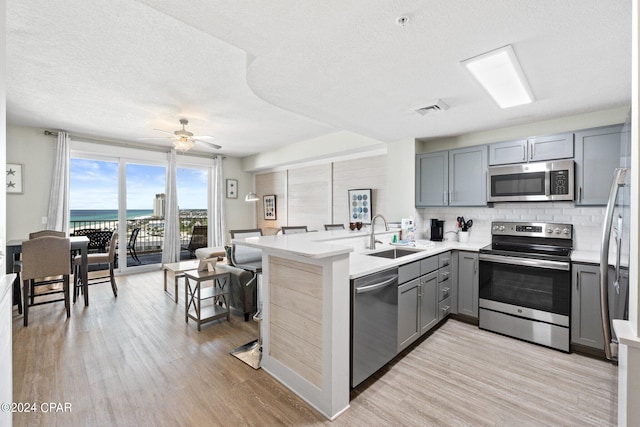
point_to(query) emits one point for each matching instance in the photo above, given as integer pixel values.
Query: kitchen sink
(392, 253)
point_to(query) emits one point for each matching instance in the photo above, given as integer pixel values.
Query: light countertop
(325, 244)
(361, 264)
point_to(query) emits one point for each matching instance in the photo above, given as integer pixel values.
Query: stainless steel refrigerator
(614, 273)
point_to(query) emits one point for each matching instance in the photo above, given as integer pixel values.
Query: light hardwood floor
(134, 361)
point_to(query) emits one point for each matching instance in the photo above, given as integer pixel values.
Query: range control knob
(557, 231)
(496, 227)
(549, 230)
(565, 231)
(502, 228)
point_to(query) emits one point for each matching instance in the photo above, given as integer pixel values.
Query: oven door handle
(527, 262)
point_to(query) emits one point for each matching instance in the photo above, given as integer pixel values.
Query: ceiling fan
(184, 140)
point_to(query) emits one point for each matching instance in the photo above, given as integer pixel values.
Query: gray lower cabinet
(586, 318)
(597, 155)
(428, 301)
(424, 296)
(408, 313)
(468, 281)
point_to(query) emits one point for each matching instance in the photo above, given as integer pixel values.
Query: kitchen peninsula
(306, 307)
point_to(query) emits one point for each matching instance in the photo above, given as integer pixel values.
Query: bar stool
(249, 259)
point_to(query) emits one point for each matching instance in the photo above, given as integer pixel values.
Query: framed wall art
(232, 189)
(360, 205)
(14, 178)
(269, 205)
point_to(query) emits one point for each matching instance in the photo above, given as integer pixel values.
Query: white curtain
(58, 213)
(216, 230)
(171, 243)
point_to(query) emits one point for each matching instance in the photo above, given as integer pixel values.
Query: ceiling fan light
(183, 144)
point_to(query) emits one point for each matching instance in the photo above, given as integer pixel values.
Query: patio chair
(198, 240)
(131, 246)
(108, 258)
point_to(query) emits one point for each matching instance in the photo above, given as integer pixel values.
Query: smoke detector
(432, 107)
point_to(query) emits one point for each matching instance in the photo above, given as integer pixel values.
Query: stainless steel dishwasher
(374, 323)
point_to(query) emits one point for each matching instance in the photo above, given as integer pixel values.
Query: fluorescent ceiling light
(499, 73)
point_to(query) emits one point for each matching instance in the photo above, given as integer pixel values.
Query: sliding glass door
(145, 208)
(128, 195)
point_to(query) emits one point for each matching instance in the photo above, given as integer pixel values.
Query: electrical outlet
(44, 220)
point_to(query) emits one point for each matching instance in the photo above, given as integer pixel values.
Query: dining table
(76, 243)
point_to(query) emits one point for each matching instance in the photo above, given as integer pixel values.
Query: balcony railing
(151, 235)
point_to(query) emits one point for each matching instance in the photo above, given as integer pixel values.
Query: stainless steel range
(525, 282)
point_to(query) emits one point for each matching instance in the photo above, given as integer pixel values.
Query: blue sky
(94, 185)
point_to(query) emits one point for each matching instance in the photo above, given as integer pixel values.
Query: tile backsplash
(586, 221)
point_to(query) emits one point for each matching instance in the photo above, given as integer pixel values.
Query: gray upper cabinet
(534, 149)
(503, 153)
(468, 176)
(432, 179)
(597, 155)
(452, 178)
(551, 147)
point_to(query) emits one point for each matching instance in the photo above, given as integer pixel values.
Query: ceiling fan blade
(210, 144)
(165, 131)
(202, 137)
(154, 137)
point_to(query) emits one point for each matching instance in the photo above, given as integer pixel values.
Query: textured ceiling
(260, 74)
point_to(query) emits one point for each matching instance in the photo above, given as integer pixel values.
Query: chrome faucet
(372, 237)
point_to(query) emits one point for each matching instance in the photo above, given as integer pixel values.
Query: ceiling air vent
(432, 107)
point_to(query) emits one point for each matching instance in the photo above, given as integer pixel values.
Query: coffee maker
(437, 230)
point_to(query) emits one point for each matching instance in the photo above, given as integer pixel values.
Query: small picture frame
(14, 178)
(269, 205)
(360, 206)
(232, 188)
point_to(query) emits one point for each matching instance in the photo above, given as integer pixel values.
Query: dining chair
(17, 263)
(328, 227)
(44, 233)
(294, 229)
(44, 259)
(108, 258)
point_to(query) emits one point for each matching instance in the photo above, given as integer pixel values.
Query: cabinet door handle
(444, 198)
(531, 151)
(524, 152)
(578, 281)
(580, 193)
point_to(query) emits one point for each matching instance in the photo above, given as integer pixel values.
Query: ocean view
(106, 214)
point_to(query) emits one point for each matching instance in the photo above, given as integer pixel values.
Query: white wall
(547, 127)
(323, 147)
(34, 150)
(239, 214)
(401, 183)
(31, 148)
(6, 368)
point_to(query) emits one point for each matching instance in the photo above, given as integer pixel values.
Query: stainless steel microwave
(531, 182)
